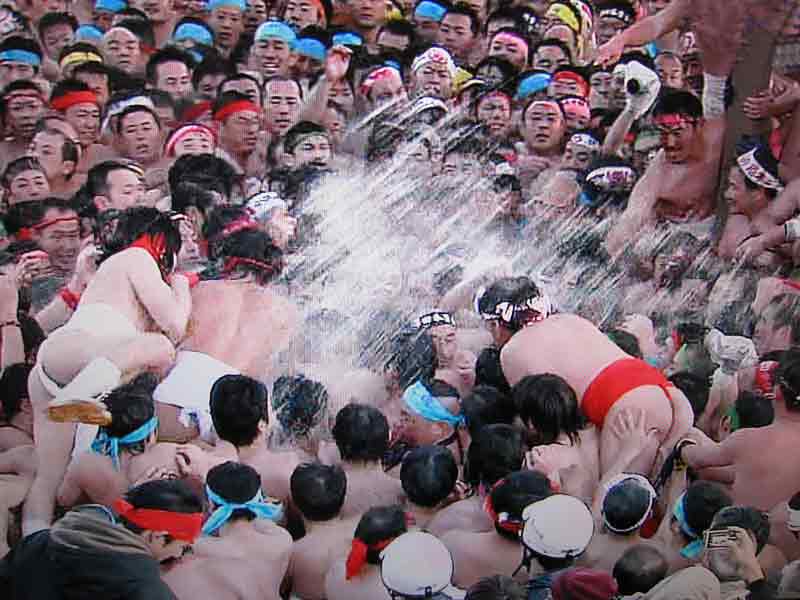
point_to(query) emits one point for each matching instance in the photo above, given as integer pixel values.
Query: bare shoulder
(279, 538)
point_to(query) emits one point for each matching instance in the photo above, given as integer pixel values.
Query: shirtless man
(220, 344)
(478, 555)
(753, 185)
(318, 491)
(745, 450)
(534, 341)
(455, 365)
(358, 576)
(429, 475)
(361, 433)
(243, 554)
(679, 185)
(132, 301)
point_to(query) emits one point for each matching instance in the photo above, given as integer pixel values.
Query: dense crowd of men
(382, 299)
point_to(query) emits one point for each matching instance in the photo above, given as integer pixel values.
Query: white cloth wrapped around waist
(189, 384)
(101, 320)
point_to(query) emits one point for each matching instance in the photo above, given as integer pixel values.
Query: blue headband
(110, 5)
(109, 446)
(695, 547)
(276, 29)
(194, 32)
(224, 510)
(88, 32)
(430, 10)
(21, 56)
(312, 48)
(420, 401)
(347, 39)
(532, 84)
(240, 4)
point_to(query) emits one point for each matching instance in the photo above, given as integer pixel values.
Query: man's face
(102, 19)
(600, 89)
(434, 79)
(314, 150)
(14, 71)
(368, 14)
(228, 24)
(341, 94)
(126, 189)
(456, 35)
(678, 137)
(335, 122)
(283, 106)
(164, 547)
(55, 39)
(22, 114)
(549, 58)
(195, 142)
(391, 42)
(693, 72)
(28, 185)
(544, 126)
(387, 90)
(618, 96)
(565, 87)
(737, 195)
(174, 78)
(281, 227)
(510, 47)
(494, 111)
(61, 240)
(445, 344)
(607, 28)
(245, 86)
(723, 563)
(670, 71)
(98, 82)
(255, 14)
(271, 56)
(491, 74)
(458, 168)
(306, 66)
(48, 150)
(207, 86)
(577, 118)
(670, 266)
(302, 13)
(561, 33)
(578, 156)
(159, 11)
(140, 137)
(240, 132)
(122, 50)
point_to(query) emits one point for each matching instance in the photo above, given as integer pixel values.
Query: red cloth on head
(584, 584)
(357, 557)
(182, 526)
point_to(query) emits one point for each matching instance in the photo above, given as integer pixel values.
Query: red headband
(236, 261)
(45, 224)
(235, 107)
(185, 130)
(581, 105)
(503, 520)
(240, 224)
(70, 99)
(575, 78)
(24, 94)
(358, 555)
(376, 76)
(196, 111)
(673, 120)
(182, 526)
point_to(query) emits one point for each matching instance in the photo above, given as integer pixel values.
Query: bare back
(313, 556)
(255, 324)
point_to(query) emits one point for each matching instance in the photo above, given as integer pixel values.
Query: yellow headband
(80, 57)
(565, 15)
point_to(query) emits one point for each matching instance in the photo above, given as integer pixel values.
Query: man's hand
(750, 249)
(758, 105)
(33, 265)
(743, 552)
(609, 53)
(85, 268)
(630, 426)
(337, 62)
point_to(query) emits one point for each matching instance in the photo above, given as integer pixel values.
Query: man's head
(239, 120)
(753, 182)
(428, 475)
(496, 587)
(695, 388)
(252, 254)
(426, 18)
(581, 151)
(749, 411)
(670, 70)
(375, 530)
(493, 110)
(190, 139)
(496, 451)
(548, 405)
(242, 83)
(639, 569)
(239, 409)
(167, 515)
(395, 36)
(226, 18)
(778, 327)
(122, 49)
(433, 73)
(307, 143)
(544, 126)
(459, 30)
(627, 503)
(789, 384)
(208, 75)
(361, 433)
(158, 11)
(416, 565)
(282, 98)
(300, 404)
(678, 116)
(548, 55)
(302, 13)
(139, 134)
(20, 58)
(509, 304)
(117, 185)
(57, 153)
(430, 414)
(57, 231)
(318, 491)
(693, 513)
(56, 30)
(511, 44)
(80, 107)
(577, 112)
(272, 47)
(15, 405)
(749, 521)
(509, 498)
(170, 70)
(557, 530)
(24, 179)
(132, 409)
(232, 483)
(368, 14)
(383, 85)
(21, 105)
(613, 18)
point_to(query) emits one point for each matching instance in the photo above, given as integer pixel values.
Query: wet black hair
(300, 403)
(640, 569)
(52, 19)
(702, 501)
(18, 42)
(14, 383)
(548, 403)
(496, 451)
(170, 495)
(379, 524)
(132, 110)
(163, 56)
(626, 341)
(412, 356)
(237, 483)
(674, 102)
(361, 433)
(514, 290)
(212, 64)
(554, 43)
(256, 246)
(486, 405)
(298, 131)
(489, 371)
(131, 405)
(206, 170)
(695, 388)
(789, 382)
(238, 404)
(754, 410)
(135, 222)
(429, 475)
(515, 492)
(318, 490)
(496, 587)
(508, 70)
(625, 505)
(749, 519)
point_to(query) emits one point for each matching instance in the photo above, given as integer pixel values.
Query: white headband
(440, 56)
(757, 173)
(584, 139)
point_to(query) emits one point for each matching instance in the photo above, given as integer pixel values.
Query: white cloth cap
(559, 526)
(416, 564)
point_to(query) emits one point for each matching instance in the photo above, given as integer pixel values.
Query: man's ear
(102, 203)
(725, 425)
(68, 168)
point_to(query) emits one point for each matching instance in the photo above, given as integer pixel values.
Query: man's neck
(362, 467)
(257, 448)
(317, 526)
(60, 187)
(236, 528)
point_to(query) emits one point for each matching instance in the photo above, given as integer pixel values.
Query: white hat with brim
(416, 565)
(560, 526)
